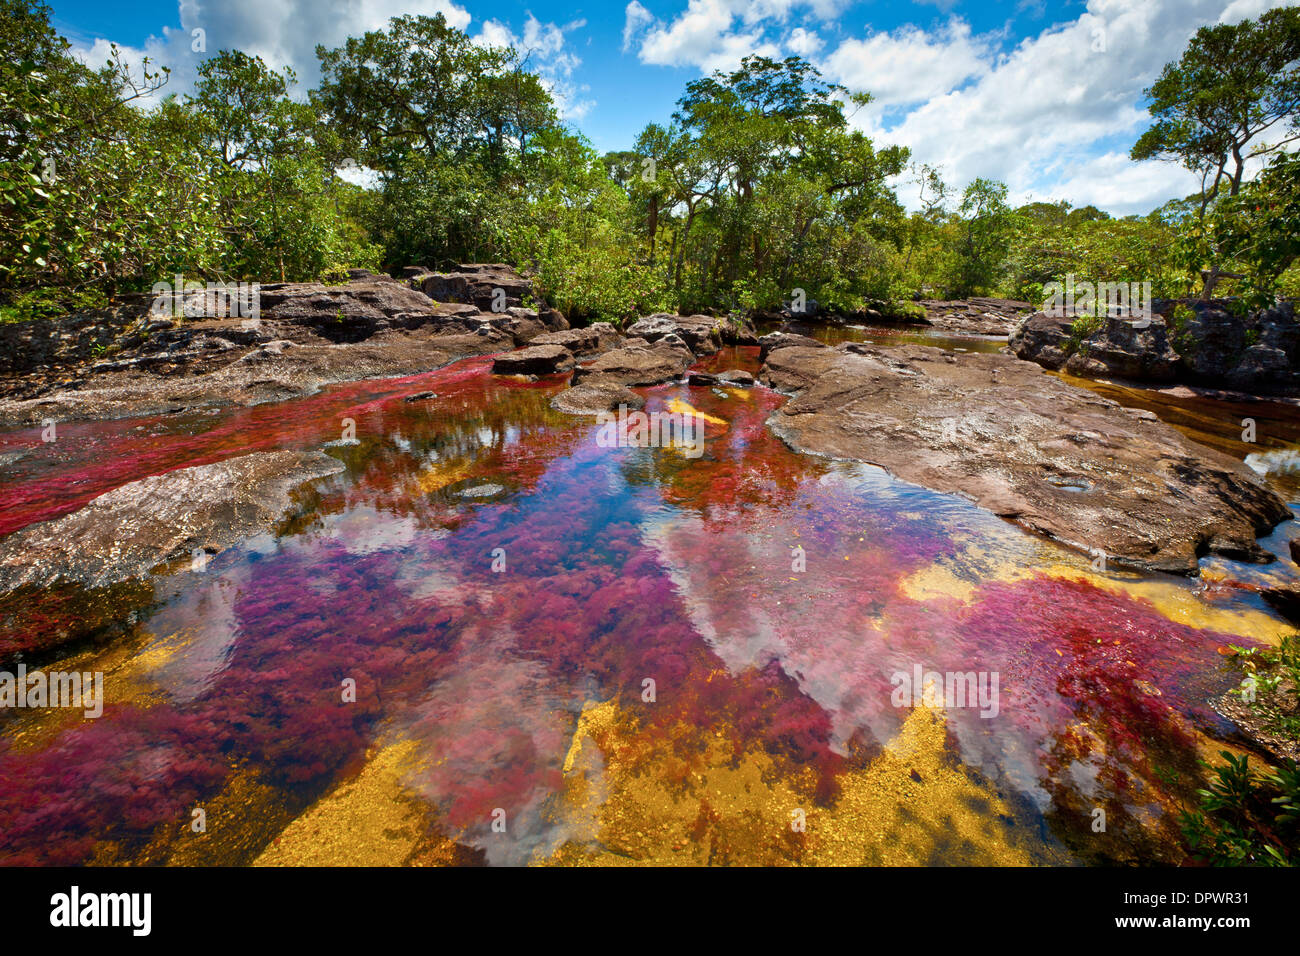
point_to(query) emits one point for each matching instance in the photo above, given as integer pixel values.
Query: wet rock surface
(1056, 459)
(132, 529)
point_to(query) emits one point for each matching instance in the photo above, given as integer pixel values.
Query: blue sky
(1045, 95)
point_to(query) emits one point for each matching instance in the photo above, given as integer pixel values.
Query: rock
(595, 396)
(1206, 344)
(534, 360)
(733, 376)
(634, 365)
(132, 529)
(554, 320)
(976, 316)
(347, 313)
(477, 283)
(783, 340)
(481, 491)
(702, 334)
(1056, 459)
(1118, 348)
(594, 338)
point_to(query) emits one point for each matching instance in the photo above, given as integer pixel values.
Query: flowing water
(567, 653)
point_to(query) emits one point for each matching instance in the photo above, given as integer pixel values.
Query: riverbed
(489, 639)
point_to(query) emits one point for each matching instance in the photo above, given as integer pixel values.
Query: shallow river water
(566, 653)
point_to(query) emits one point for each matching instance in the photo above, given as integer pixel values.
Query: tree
(425, 87)
(986, 227)
(1231, 86)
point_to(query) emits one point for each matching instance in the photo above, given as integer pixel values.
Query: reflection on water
(622, 655)
(891, 335)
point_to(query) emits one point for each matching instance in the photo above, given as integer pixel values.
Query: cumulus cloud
(718, 34)
(1053, 116)
(803, 42)
(910, 65)
(286, 33)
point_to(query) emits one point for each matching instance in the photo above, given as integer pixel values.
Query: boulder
(638, 365)
(783, 340)
(596, 337)
(595, 396)
(702, 334)
(1206, 344)
(477, 283)
(735, 377)
(1120, 347)
(534, 360)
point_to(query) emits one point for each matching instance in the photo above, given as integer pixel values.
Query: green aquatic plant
(1245, 818)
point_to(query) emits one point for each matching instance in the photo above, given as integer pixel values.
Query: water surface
(565, 653)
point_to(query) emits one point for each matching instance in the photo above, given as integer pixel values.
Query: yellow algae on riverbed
(442, 474)
(369, 820)
(679, 407)
(689, 798)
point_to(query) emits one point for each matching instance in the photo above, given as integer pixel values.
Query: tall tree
(1213, 108)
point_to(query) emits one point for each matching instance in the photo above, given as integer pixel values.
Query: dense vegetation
(756, 186)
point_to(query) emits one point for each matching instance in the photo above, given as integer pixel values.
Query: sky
(1044, 95)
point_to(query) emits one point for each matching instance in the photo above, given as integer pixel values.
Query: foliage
(757, 189)
(1213, 109)
(1244, 818)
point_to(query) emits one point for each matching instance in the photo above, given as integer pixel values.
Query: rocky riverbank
(1058, 460)
(132, 361)
(1205, 344)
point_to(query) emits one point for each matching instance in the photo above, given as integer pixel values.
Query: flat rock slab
(638, 365)
(534, 360)
(594, 397)
(1056, 459)
(130, 530)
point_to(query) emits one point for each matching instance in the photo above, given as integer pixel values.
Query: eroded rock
(1053, 458)
(534, 360)
(132, 529)
(595, 396)
(638, 365)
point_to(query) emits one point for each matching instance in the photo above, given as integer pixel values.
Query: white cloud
(803, 42)
(636, 19)
(910, 65)
(718, 34)
(286, 32)
(1052, 118)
